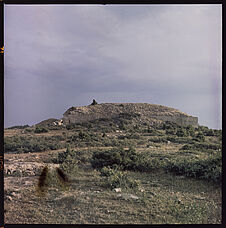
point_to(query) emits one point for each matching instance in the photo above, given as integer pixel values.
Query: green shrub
(186, 147)
(28, 130)
(200, 137)
(151, 130)
(82, 135)
(126, 159)
(206, 146)
(190, 130)
(107, 158)
(203, 129)
(209, 168)
(218, 133)
(168, 125)
(114, 178)
(181, 132)
(54, 128)
(180, 140)
(107, 171)
(63, 155)
(210, 132)
(129, 136)
(19, 127)
(171, 131)
(69, 126)
(70, 166)
(158, 139)
(40, 130)
(24, 144)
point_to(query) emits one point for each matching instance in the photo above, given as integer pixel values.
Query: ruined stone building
(147, 113)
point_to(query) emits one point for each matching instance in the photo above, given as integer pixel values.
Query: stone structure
(146, 112)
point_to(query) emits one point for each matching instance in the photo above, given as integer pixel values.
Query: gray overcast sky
(58, 56)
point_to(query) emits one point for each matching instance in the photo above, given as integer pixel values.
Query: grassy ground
(158, 198)
(161, 199)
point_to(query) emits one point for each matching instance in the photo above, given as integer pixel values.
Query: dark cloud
(58, 56)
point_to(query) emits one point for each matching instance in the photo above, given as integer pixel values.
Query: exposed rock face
(146, 113)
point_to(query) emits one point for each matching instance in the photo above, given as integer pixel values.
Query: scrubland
(117, 173)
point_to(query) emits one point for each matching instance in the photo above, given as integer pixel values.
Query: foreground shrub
(209, 168)
(114, 178)
(125, 159)
(70, 166)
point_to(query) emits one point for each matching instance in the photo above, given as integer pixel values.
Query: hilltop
(137, 112)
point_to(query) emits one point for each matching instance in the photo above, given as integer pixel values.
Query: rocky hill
(48, 122)
(140, 112)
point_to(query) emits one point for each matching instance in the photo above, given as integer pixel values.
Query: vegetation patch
(120, 170)
(125, 159)
(25, 144)
(40, 129)
(209, 168)
(19, 127)
(202, 146)
(114, 178)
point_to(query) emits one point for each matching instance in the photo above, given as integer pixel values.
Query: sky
(58, 56)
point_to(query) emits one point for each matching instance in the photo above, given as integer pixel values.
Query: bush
(115, 178)
(54, 128)
(68, 162)
(24, 144)
(28, 130)
(186, 147)
(170, 131)
(190, 130)
(40, 130)
(107, 158)
(63, 155)
(180, 140)
(210, 132)
(130, 136)
(218, 133)
(157, 139)
(207, 146)
(19, 127)
(169, 126)
(125, 159)
(181, 132)
(69, 166)
(203, 129)
(70, 126)
(82, 135)
(210, 168)
(200, 137)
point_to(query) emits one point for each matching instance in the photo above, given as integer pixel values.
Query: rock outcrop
(148, 113)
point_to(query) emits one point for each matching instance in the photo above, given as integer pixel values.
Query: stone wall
(81, 118)
(180, 119)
